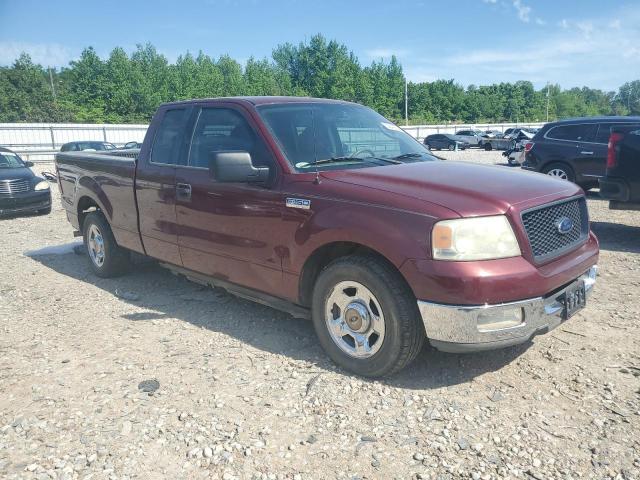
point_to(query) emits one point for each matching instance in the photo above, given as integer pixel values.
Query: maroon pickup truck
(325, 209)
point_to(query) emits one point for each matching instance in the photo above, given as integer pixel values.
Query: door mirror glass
(28, 164)
(236, 166)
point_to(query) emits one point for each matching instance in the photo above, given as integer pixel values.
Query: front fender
(395, 234)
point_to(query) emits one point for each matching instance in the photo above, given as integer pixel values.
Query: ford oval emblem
(564, 224)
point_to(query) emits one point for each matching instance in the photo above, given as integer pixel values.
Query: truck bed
(108, 180)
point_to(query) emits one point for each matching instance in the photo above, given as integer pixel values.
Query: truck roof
(261, 100)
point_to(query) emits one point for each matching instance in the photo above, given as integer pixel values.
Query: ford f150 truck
(327, 210)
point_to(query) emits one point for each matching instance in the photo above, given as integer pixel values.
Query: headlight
(480, 238)
(43, 185)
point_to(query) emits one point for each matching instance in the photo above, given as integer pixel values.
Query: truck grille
(11, 187)
(543, 230)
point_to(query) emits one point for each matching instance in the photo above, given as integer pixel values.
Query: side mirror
(28, 164)
(236, 166)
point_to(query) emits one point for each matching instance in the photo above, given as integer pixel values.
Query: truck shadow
(161, 295)
(617, 237)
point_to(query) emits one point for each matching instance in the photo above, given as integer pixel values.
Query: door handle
(586, 153)
(183, 191)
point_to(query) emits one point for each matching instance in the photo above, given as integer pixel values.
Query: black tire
(555, 168)
(115, 260)
(488, 146)
(451, 147)
(404, 333)
(429, 146)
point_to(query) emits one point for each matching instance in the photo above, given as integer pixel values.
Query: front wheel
(366, 317)
(106, 258)
(488, 146)
(451, 147)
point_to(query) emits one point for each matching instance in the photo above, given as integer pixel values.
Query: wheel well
(85, 206)
(323, 256)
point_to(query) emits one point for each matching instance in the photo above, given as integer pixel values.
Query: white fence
(38, 142)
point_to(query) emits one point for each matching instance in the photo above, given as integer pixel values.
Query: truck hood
(466, 188)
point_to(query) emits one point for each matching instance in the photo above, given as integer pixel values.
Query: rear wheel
(488, 147)
(561, 171)
(452, 147)
(366, 317)
(106, 258)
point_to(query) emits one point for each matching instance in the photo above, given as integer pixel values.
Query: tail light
(614, 139)
(528, 146)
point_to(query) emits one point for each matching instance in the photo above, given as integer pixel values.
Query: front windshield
(10, 160)
(339, 136)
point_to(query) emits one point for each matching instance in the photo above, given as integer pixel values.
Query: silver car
(472, 137)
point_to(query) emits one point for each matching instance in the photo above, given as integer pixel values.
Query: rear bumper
(454, 328)
(27, 203)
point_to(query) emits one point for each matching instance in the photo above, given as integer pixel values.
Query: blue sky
(588, 42)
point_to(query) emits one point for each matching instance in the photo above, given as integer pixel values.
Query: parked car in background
(574, 149)
(472, 137)
(21, 191)
(513, 132)
(621, 182)
(130, 145)
(379, 242)
(87, 145)
(508, 142)
(492, 134)
(445, 141)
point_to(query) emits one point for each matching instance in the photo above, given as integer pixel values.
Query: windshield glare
(10, 160)
(352, 135)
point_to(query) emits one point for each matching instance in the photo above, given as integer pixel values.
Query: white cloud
(385, 52)
(47, 54)
(524, 11)
(580, 52)
(615, 24)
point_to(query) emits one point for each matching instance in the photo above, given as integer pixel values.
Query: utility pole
(547, 102)
(406, 102)
(53, 89)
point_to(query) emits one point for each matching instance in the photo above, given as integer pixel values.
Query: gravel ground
(150, 376)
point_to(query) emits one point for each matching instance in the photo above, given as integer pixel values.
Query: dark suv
(574, 149)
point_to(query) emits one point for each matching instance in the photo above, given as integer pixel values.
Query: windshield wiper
(347, 159)
(407, 155)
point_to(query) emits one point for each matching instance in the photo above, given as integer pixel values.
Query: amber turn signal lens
(442, 237)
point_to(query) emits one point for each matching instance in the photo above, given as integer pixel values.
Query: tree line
(128, 88)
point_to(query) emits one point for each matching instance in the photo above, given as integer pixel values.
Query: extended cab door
(229, 230)
(156, 184)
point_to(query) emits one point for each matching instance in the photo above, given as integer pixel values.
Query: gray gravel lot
(244, 391)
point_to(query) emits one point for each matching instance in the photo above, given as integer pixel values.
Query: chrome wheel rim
(558, 173)
(95, 245)
(354, 319)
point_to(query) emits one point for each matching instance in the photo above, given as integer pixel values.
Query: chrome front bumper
(455, 328)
